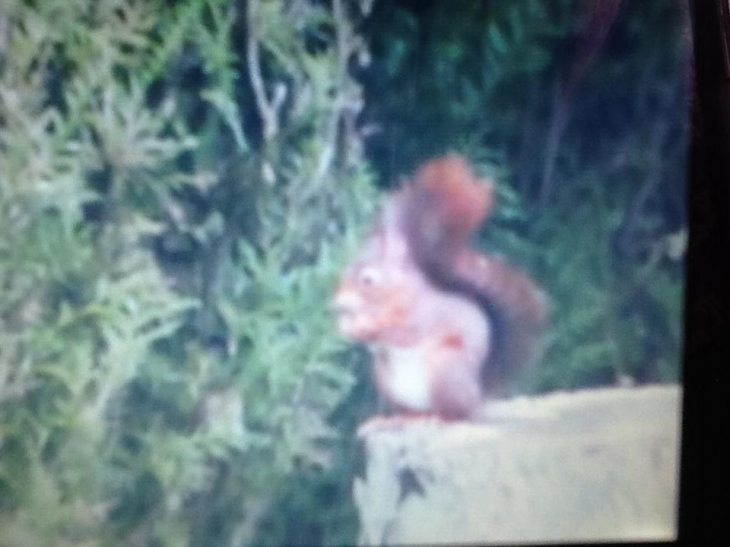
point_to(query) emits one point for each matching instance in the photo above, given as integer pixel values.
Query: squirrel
(448, 327)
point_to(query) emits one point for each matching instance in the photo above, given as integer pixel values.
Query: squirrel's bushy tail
(517, 307)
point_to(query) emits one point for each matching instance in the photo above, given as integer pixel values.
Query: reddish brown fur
(425, 308)
(459, 201)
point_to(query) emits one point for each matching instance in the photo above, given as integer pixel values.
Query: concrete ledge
(583, 466)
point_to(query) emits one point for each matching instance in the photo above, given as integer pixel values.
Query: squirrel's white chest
(407, 377)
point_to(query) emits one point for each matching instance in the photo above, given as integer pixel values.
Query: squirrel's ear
(393, 239)
(373, 245)
(395, 248)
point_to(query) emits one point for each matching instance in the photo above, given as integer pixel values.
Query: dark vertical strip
(704, 497)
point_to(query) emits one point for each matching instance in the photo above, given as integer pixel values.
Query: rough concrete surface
(582, 466)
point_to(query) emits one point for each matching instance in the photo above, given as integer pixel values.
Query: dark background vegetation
(181, 182)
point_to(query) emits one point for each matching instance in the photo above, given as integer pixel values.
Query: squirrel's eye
(369, 277)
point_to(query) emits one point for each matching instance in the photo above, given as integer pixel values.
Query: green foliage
(170, 231)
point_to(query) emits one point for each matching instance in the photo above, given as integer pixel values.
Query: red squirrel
(447, 326)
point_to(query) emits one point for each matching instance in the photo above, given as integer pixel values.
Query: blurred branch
(597, 19)
(653, 158)
(558, 123)
(268, 109)
(330, 139)
(346, 105)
